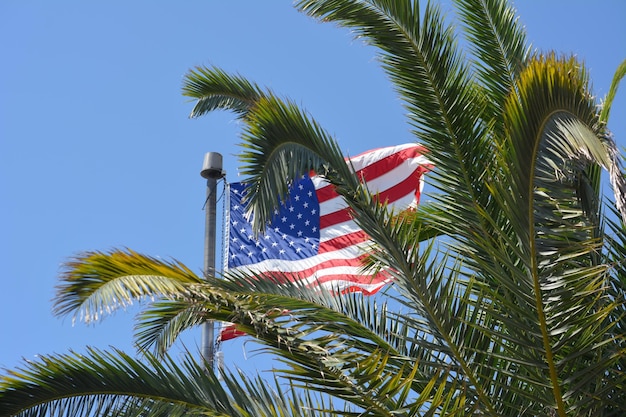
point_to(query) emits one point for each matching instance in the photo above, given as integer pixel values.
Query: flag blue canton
(292, 234)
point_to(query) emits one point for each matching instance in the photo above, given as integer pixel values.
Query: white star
(292, 226)
(306, 204)
(299, 216)
(306, 223)
(284, 219)
(297, 197)
(284, 236)
(314, 229)
(313, 211)
(282, 251)
(299, 233)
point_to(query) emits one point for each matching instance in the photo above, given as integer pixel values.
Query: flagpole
(212, 171)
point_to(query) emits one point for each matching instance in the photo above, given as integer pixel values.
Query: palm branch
(114, 383)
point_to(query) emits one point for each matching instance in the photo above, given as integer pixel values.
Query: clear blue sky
(96, 150)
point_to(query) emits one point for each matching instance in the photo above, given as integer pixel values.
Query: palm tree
(509, 288)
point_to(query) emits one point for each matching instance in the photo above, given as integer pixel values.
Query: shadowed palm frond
(214, 89)
(498, 41)
(112, 383)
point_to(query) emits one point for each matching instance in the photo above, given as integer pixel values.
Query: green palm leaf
(94, 283)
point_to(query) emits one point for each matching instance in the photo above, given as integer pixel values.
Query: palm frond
(98, 382)
(281, 143)
(498, 42)
(94, 283)
(214, 89)
(420, 55)
(113, 383)
(557, 233)
(610, 96)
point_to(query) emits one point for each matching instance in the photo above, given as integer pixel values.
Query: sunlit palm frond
(620, 73)
(94, 283)
(558, 276)
(281, 143)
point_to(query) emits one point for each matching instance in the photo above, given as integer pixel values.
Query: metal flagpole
(212, 171)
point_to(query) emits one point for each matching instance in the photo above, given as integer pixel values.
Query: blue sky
(97, 152)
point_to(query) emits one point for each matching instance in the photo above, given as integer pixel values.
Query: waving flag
(313, 238)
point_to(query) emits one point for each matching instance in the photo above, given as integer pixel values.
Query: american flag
(312, 236)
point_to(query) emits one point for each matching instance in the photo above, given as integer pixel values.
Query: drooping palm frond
(281, 143)
(113, 383)
(214, 89)
(94, 283)
(557, 274)
(97, 382)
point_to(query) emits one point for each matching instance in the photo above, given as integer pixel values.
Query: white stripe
(337, 230)
(287, 266)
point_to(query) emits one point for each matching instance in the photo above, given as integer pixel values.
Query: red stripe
(336, 217)
(341, 242)
(375, 169)
(229, 332)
